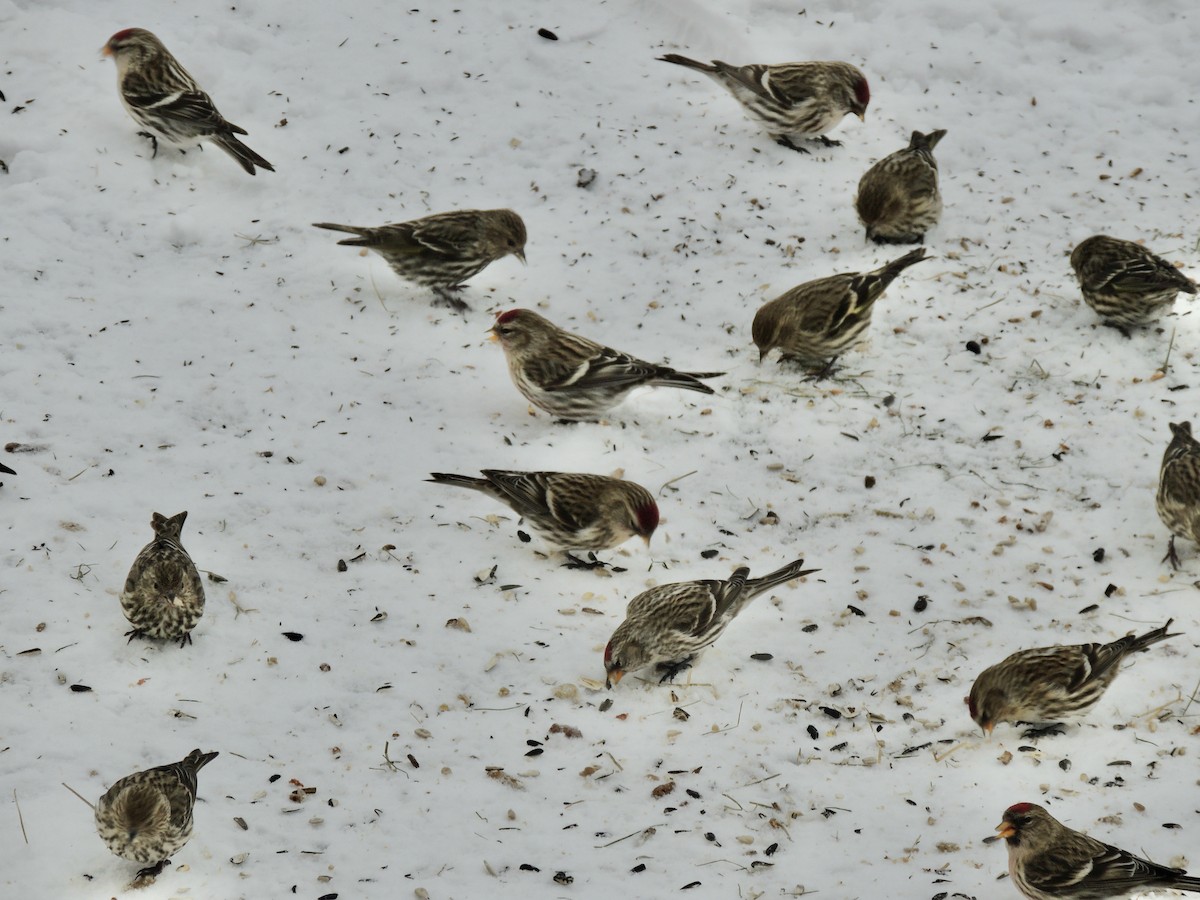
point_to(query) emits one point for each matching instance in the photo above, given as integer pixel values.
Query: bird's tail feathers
(794, 569)
(239, 151)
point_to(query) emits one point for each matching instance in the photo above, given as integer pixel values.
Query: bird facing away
(1178, 497)
(668, 625)
(569, 510)
(163, 98)
(146, 817)
(572, 377)
(163, 596)
(1049, 861)
(1049, 685)
(898, 198)
(443, 250)
(1125, 283)
(793, 101)
(812, 324)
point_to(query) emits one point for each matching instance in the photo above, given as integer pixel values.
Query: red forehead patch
(1020, 808)
(122, 34)
(608, 653)
(648, 517)
(862, 92)
(505, 317)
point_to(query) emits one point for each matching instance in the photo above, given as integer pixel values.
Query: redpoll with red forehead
(569, 510)
(443, 250)
(163, 98)
(572, 377)
(793, 101)
(1048, 685)
(146, 817)
(1125, 283)
(667, 626)
(898, 198)
(1178, 498)
(814, 323)
(163, 596)
(1049, 861)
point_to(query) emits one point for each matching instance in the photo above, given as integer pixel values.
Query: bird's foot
(1172, 557)
(826, 371)
(1041, 731)
(671, 669)
(135, 633)
(185, 640)
(153, 142)
(904, 239)
(147, 875)
(784, 141)
(444, 296)
(828, 142)
(574, 562)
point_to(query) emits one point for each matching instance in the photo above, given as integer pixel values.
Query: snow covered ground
(176, 336)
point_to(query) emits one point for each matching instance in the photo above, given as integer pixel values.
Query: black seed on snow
(1027, 749)
(770, 851)
(855, 610)
(1088, 609)
(341, 566)
(1110, 590)
(708, 554)
(1098, 554)
(809, 629)
(640, 867)
(563, 878)
(293, 635)
(761, 657)
(695, 795)
(80, 688)
(536, 751)
(523, 537)
(830, 711)
(526, 867)
(1064, 764)
(869, 481)
(692, 885)
(1171, 825)
(838, 747)
(274, 778)
(606, 705)
(812, 732)
(974, 347)
(547, 34)
(921, 604)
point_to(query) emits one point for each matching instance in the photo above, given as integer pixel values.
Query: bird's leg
(671, 669)
(185, 640)
(153, 142)
(1171, 556)
(445, 297)
(828, 142)
(135, 633)
(574, 562)
(784, 141)
(1040, 731)
(824, 372)
(148, 874)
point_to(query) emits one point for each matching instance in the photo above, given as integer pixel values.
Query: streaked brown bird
(163, 98)
(794, 101)
(1049, 861)
(669, 625)
(1046, 686)
(898, 198)
(146, 817)
(163, 596)
(575, 378)
(443, 250)
(1178, 497)
(816, 322)
(1125, 283)
(569, 510)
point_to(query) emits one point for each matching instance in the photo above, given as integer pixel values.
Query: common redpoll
(569, 510)
(1049, 861)
(1048, 685)
(163, 596)
(572, 377)
(668, 625)
(1124, 282)
(1178, 498)
(146, 817)
(813, 323)
(162, 97)
(794, 101)
(898, 198)
(443, 250)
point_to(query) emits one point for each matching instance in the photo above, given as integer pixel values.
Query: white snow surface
(176, 336)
